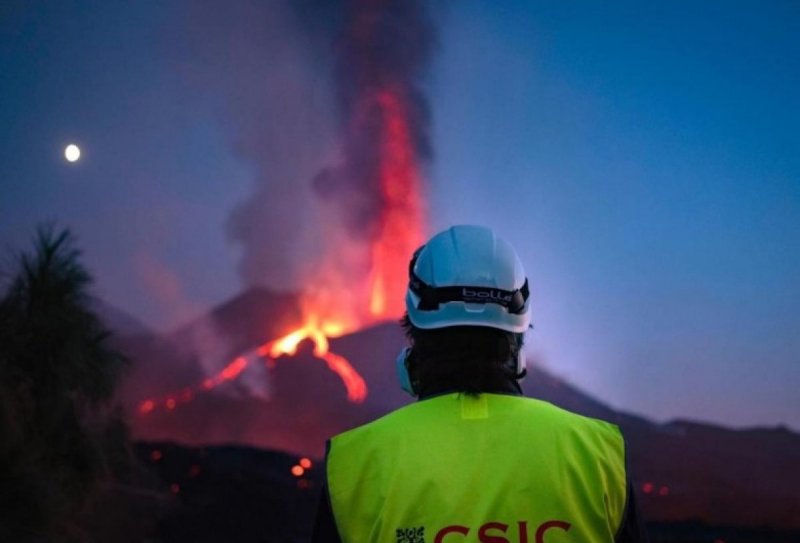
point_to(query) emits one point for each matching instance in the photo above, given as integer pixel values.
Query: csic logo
(474, 295)
(496, 532)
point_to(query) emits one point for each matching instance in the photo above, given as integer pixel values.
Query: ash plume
(261, 75)
(297, 99)
(382, 46)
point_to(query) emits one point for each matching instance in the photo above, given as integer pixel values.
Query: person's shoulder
(566, 418)
(387, 421)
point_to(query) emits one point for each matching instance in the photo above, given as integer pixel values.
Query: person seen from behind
(473, 460)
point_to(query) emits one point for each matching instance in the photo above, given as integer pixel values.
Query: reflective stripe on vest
(491, 469)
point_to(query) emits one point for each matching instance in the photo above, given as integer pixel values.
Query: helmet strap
(430, 297)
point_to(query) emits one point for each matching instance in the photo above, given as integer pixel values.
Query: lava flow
(269, 352)
(370, 210)
(287, 345)
(331, 310)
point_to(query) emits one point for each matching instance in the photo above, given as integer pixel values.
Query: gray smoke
(286, 80)
(381, 45)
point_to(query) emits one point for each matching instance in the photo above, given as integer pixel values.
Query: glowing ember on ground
(146, 406)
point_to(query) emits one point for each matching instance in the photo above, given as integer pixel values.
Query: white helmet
(467, 276)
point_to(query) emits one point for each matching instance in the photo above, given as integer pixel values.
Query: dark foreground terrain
(696, 481)
(238, 494)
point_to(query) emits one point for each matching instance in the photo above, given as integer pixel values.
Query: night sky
(643, 158)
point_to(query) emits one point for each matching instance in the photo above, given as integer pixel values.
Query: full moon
(72, 153)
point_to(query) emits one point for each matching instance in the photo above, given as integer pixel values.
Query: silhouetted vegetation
(59, 437)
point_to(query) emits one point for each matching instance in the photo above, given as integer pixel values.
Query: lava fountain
(371, 200)
(328, 311)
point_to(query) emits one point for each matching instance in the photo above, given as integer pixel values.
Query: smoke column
(363, 213)
(374, 195)
(369, 204)
(383, 53)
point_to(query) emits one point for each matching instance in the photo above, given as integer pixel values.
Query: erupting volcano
(373, 197)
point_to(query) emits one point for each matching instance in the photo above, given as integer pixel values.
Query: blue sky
(644, 159)
(646, 163)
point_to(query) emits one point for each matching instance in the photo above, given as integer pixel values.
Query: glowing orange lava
(341, 302)
(269, 352)
(318, 334)
(403, 220)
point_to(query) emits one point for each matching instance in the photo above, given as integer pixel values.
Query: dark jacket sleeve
(325, 530)
(325, 527)
(632, 529)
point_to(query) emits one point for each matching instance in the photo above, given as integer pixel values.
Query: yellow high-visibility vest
(491, 469)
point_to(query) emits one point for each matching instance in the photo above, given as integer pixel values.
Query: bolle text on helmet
(473, 294)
